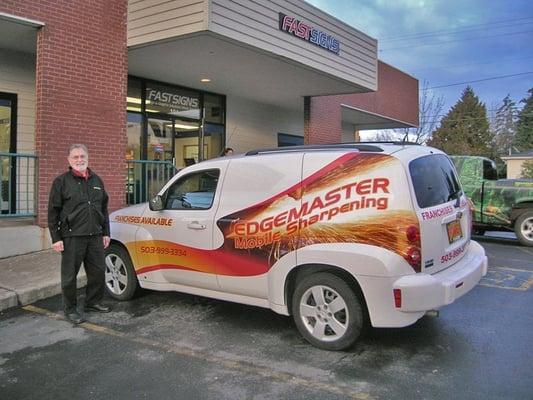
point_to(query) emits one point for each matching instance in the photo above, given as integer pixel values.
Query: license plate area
(454, 231)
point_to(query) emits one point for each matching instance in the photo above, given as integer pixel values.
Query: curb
(24, 296)
(8, 299)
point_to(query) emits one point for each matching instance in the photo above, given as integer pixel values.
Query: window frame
(423, 199)
(13, 99)
(186, 176)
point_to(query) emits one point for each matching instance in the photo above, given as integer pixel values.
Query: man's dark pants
(90, 251)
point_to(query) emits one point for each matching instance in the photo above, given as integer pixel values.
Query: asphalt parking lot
(176, 346)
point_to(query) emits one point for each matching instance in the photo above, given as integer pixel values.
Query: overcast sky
(447, 42)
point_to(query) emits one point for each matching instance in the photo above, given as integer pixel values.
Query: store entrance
(168, 128)
(160, 134)
(173, 139)
(186, 142)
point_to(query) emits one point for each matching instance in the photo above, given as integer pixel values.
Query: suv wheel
(120, 278)
(523, 228)
(327, 312)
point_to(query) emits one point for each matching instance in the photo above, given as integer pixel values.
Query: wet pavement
(177, 346)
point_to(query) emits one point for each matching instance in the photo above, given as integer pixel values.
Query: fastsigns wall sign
(170, 100)
(308, 33)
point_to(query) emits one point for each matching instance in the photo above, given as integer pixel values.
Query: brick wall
(396, 98)
(81, 83)
(322, 120)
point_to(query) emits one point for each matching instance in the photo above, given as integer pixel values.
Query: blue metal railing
(18, 178)
(146, 178)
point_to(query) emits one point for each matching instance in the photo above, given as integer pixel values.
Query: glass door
(160, 134)
(186, 142)
(8, 123)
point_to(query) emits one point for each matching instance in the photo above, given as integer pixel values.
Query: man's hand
(58, 246)
(107, 239)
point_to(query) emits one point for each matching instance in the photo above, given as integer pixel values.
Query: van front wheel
(120, 278)
(523, 228)
(327, 312)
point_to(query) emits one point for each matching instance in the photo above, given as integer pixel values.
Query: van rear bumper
(424, 292)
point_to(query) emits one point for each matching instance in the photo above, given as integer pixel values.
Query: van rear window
(434, 180)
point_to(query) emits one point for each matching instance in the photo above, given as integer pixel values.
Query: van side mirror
(156, 204)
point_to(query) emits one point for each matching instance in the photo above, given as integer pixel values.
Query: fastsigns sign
(308, 33)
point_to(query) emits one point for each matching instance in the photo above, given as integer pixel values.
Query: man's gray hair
(77, 146)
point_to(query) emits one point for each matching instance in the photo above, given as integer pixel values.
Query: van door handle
(196, 226)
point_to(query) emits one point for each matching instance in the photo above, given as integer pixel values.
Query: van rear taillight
(413, 254)
(397, 297)
(413, 234)
(414, 257)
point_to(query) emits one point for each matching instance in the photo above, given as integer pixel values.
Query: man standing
(79, 226)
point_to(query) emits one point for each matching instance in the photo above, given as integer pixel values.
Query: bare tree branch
(430, 113)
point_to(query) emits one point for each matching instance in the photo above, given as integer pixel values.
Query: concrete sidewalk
(30, 277)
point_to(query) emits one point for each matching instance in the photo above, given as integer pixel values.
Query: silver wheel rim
(324, 313)
(116, 274)
(526, 228)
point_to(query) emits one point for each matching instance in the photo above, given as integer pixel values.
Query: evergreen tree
(465, 129)
(504, 126)
(524, 127)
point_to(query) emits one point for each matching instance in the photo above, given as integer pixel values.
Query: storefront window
(133, 146)
(214, 137)
(172, 101)
(185, 142)
(7, 145)
(213, 109)
(170, 118)
(134, 95)
(284, 139)
(160, 139)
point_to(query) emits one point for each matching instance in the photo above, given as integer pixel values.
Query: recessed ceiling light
(205, 80)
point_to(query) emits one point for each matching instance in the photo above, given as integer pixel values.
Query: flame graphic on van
(348, 201)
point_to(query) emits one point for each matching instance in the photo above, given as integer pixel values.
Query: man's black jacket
(77, 207)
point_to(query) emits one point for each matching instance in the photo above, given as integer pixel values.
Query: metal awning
(18, 34)
(364, 120)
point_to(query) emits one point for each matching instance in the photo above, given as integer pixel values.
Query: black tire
(120, 279)
(479, 231)
(337, 330)
(523, 228)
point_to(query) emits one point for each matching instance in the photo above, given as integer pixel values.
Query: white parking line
(235, 365)
(527, 250)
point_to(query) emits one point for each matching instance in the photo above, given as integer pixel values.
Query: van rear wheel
(523, 228)
(120, 279)
(327, 312)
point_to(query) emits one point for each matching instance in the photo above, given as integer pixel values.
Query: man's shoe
(97, 307)
(74, 317)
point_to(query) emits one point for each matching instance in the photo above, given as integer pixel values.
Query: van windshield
(434, 180)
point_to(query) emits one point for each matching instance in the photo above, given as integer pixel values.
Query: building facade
(515, 163)
(146, 83)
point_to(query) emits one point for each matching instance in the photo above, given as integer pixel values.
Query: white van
(337, 236)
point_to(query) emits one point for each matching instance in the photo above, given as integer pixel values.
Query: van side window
(194, 191)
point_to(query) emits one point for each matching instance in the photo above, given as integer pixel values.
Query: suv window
(194, 191)
(434, 180)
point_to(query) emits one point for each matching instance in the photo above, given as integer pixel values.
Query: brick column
(81, 84)
(322, 120)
